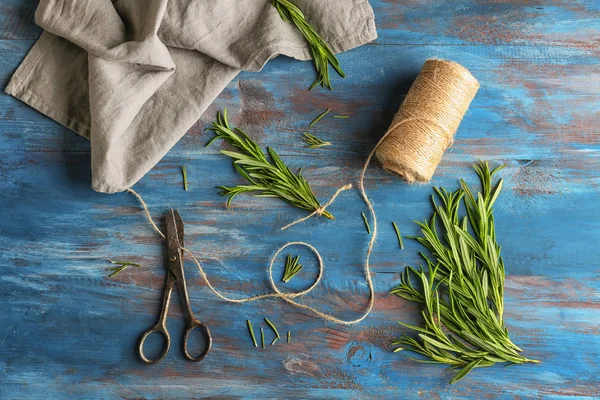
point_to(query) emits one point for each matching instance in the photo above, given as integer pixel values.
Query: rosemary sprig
(185, 180)
(463, 289)
(266, 178)
(272, 325)
(251, 330)
(122, 266)
(321, 54)
(313, 141)
(319, 117)
(292, 267)
(399, 235)
(366, 221)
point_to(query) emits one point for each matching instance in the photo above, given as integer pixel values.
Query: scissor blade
(174, 230)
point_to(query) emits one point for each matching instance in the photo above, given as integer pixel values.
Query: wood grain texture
(66, 331)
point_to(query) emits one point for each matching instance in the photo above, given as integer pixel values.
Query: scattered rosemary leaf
(262, 337)
(251, 330)
(272, 325)
(122, 265)
(318, 118)
(185, 180)
(289, 336)
(462, 292)
(313, 141)
(274, 340)
(321, 53)
(265, 178)
(116, 270)
(128, 263)
(398, 349)
(364, 217)
(399, 235)
(340, 116)
(292, 267)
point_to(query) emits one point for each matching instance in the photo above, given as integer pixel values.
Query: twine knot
(321, 209)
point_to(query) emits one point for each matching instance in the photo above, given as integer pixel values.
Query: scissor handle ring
(166, 348)
(193, 324)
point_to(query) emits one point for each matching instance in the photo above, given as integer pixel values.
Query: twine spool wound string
(427, 120)
(423, 128)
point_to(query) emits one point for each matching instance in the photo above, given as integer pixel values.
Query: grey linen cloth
(134, 75)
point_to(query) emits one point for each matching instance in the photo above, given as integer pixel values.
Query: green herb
(320, 51)
(292, 267)
(272, 325)
(266, 178)
(126, 263)
(340, 116)
(185, 181)
(314, 142)
(289, 336)
(318, 118)
(463, 290)
(274, 340)
(122, 265)
(116, 270)
(364, 217)
(399, 235)
(262, 337)
(251, 330)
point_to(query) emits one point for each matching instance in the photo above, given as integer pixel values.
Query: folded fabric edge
(17, 88)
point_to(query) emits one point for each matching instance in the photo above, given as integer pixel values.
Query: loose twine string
(450, 88)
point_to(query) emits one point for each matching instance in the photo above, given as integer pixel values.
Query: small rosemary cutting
(266, 178)
(320, 51)
(463, 290)
(313, 141)
(292, 267)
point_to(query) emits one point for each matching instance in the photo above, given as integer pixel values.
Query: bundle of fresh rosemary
(463, 290)
(321, 54)
(266, 178)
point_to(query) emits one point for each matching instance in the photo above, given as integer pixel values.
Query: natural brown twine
(427, 120)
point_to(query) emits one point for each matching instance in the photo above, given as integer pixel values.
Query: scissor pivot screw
(174, 258)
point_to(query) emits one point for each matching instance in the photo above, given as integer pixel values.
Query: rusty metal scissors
(175, 275)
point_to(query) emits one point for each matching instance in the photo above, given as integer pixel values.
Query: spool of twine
(424, 126)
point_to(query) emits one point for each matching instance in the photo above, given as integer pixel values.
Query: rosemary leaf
(399, 235)
(319, 117)
(122, 266)
(292, 267)
(314, 142)
(366, 221)
(117, 270)
(266, 178)
(251, 330)
(462, 290)
(262, 337)
(128, 263)
(274, 340)
(272, 325)
(289, 336)
(185, 180)
(320, 51)
(340, 116)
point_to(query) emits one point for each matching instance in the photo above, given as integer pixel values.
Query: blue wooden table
(68, 331)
